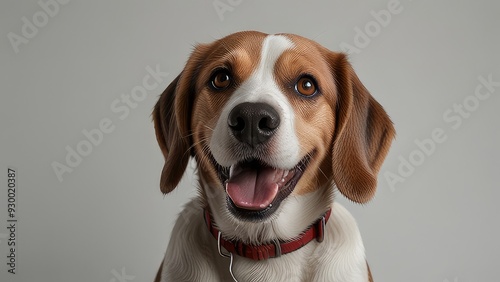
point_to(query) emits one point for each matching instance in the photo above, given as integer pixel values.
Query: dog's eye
(221, 79)
(306, 86)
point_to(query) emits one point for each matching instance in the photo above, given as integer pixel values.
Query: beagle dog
(276, 124)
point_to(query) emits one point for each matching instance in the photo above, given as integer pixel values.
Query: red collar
(274, 249)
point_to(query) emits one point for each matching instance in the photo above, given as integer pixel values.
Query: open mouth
(255, 189)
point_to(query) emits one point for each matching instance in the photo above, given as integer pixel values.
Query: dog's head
(275, 122)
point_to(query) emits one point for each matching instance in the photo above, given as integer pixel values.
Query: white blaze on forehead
(272, 48)
(261, 87)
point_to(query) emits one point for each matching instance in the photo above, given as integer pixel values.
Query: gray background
(107, 219)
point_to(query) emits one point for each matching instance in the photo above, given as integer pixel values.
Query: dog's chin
(255, 190)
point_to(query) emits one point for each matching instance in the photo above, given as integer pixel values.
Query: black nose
(253, 123)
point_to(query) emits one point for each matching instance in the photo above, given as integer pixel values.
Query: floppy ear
(172, 118)
(363, 135)
(173, 144)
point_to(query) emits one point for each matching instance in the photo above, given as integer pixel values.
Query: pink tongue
(253, 188)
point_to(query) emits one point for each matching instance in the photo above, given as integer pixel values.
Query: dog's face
(273, 122)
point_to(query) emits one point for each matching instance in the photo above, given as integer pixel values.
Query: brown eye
(221, 80)
(306, 86)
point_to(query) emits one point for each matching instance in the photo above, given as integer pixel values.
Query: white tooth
(231, 170)
(286, 173)
(282, 179)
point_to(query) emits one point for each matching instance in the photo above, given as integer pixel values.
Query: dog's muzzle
(253, 186)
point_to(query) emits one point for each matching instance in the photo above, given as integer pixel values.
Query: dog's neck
(269, 250)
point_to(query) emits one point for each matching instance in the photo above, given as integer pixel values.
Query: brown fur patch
(314, 116)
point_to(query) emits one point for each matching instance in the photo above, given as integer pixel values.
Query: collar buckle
(321, 229)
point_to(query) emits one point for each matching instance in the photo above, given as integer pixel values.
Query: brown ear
(364, 133)
(172, 119)
(173, 143)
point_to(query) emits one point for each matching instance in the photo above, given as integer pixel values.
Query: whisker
(208, 127)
